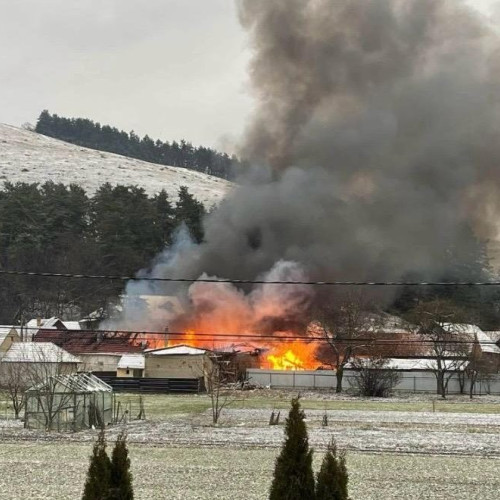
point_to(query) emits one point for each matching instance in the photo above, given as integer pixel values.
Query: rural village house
(33, 326)
(180, 361)
(99, 351)
(38, 360)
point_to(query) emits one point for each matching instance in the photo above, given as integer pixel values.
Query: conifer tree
(190, 211)
(293, 474)
(332, 478)
(121, 478)
(99, 473)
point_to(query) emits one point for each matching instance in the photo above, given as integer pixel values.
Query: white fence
(411, 381)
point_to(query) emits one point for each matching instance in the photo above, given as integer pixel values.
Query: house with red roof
(99, 351)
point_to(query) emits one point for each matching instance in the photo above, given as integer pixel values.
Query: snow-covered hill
(29, 157)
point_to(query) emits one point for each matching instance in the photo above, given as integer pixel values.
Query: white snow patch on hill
(30, 157)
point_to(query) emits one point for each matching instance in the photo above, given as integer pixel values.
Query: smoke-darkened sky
(170, 68)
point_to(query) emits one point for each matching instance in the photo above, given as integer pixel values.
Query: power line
(219, 337)
(7, 272)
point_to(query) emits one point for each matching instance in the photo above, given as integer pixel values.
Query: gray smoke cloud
(373, 143)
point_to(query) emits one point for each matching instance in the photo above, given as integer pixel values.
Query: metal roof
(39, 352)
(178, 350)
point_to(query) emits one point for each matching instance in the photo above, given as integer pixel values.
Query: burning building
(373, 156)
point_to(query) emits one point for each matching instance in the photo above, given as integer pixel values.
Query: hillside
(30, 157)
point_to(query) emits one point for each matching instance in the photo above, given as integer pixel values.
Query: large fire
(297, 355)
(234, 323)
(278, 355)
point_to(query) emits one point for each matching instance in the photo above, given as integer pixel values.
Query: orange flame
(285, 355)
(296, 355)
(188, 338)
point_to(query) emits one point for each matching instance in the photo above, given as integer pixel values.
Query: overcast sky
(170, 68)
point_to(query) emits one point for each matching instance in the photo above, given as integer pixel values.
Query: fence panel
(411, 381)
(154, 385)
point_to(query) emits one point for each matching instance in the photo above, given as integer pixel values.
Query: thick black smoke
(374, 141)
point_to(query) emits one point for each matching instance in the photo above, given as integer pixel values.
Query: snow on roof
(387, 323)
(33, 326)
(40, 352)
(72, 325)
(178, 350)
(418, 364)
(486, 340)
(461, 329)
(78, 382)
(43, 322)
(487, 343)
(36, 324)
(133, 361)
(494, 335)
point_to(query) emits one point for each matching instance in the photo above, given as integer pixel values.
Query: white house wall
(99, 362)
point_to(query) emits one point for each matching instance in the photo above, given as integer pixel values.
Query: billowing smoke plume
(374, 145)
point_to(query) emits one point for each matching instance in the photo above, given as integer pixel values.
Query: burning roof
(91, 342)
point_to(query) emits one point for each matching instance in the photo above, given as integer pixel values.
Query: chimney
(39, 322)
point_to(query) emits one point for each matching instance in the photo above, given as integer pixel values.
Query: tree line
(87, 133)
(53, 227)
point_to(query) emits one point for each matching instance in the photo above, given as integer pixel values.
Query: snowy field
(392, 454)
(57, 471)
(29, 157)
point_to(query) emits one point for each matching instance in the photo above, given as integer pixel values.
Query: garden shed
(179, 362)
(69, 403)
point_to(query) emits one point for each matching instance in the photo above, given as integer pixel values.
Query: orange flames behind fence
(297, 355)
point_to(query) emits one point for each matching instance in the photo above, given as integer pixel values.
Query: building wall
(34, 373)
(122, 372)
(171, 366)
(99, 362)
(411, 381)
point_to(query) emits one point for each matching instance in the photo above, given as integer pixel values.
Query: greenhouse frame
(69, 403)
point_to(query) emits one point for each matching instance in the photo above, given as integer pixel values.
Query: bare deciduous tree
(14, 382)
(440, 325)
(31, 377)
(222, 392)
(346, 326)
